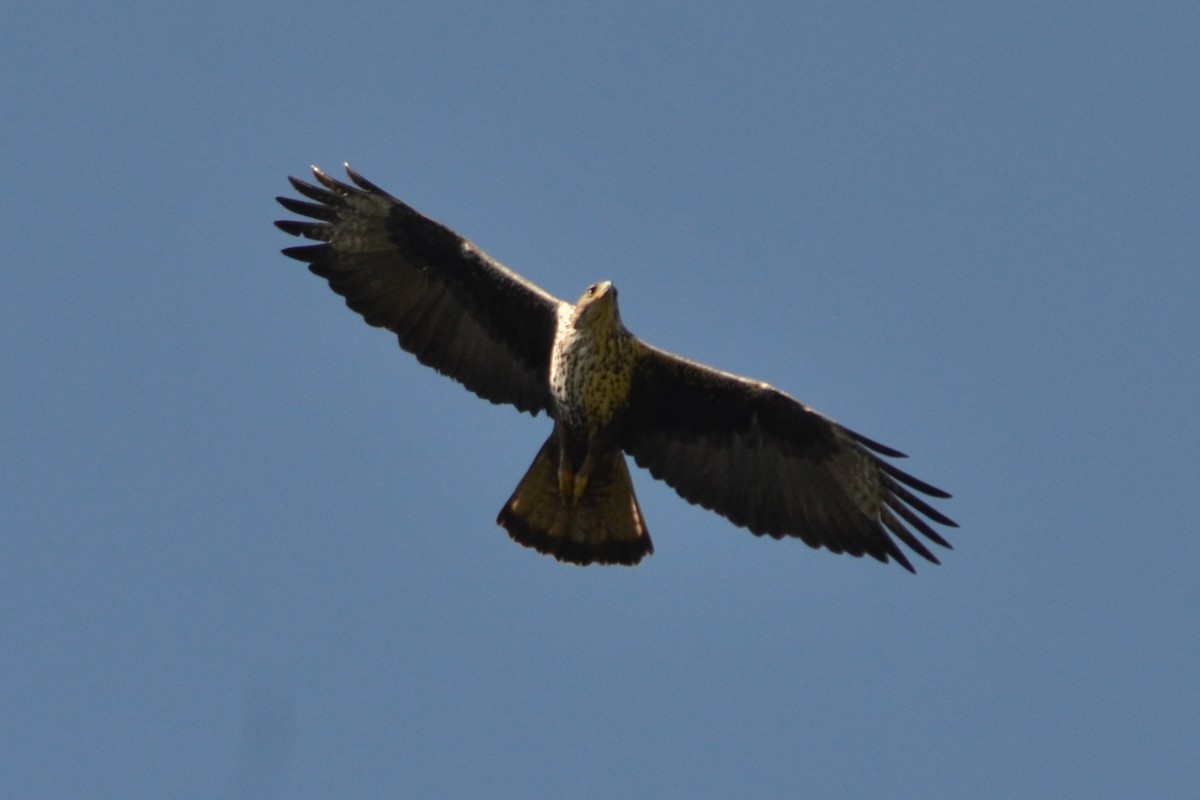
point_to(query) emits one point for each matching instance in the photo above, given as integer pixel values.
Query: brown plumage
(734, 445)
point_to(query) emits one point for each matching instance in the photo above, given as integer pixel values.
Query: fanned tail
(605, 526)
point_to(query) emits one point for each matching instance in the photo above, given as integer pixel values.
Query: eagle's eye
(591, 290)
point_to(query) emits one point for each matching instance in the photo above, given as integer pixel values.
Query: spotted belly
(590, 379)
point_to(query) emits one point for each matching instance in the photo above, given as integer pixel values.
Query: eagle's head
(597, 307)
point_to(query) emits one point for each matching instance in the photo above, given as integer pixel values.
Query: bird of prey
(737, 446)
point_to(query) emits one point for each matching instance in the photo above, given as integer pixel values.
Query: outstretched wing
(453, 307)
(768, 463)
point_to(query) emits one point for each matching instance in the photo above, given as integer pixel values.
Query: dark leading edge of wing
(448, 303)
(768, 463)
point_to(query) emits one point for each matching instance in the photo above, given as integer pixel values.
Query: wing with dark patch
(768, 463)
(453, 307)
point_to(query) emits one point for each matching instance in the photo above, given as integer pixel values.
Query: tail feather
(604, 527)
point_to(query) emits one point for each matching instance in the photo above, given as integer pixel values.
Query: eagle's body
(591, 364)
(577, 500)
(736, 446)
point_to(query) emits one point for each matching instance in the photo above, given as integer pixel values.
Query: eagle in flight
(737, 446)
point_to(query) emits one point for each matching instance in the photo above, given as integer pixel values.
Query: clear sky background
(247, 544)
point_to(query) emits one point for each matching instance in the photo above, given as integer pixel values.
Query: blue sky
(248, 545)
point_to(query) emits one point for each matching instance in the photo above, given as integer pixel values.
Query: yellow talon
(571, 486)
(580, 485)
(566, 484)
